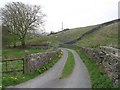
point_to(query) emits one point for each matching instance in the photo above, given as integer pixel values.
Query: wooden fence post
(26, 64)
(23, 65)
(6, 66)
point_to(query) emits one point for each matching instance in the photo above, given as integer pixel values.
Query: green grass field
(15, 65)
(69, 66)
(18, 53)
(12, 66)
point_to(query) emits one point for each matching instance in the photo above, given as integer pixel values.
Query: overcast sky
(74, 13)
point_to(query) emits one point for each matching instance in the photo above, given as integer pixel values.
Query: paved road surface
(50, 79)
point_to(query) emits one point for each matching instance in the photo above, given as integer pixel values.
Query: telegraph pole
(62, 26)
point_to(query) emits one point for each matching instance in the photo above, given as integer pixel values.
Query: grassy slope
(107, 35)
(61, 37)
(71, 34)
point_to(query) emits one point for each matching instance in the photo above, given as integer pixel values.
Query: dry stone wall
(110, 62)
(36, 61)
(110, 50)
(39, 46)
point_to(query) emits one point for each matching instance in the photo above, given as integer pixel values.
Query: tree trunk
(14, 42)
(23, 42)
(14, 45)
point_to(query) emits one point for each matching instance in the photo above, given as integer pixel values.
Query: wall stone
(44, 46)
(110, 50)
(36, 61)
(110, 62)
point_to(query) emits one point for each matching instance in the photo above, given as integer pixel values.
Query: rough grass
(8, 79)
(65, 36)
(37, 40)
(69, 66)
(18, 53)
(12, 65)
(98, 77)
(71, 34)
(107, 35)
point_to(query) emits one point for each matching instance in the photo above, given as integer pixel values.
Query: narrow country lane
(50, 79)
(80, 76)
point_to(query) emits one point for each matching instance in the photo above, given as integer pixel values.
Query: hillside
(71, 34)
(105, 36)
(90, 36)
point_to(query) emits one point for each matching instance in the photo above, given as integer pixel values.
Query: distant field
(18, 53)
(107, 35)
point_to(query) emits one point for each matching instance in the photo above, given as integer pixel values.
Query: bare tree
(21, 19)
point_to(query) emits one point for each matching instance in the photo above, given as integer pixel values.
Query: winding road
(50, 79)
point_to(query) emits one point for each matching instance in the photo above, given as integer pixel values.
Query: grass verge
(99, 78)
(8, 80)
(69, 66)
